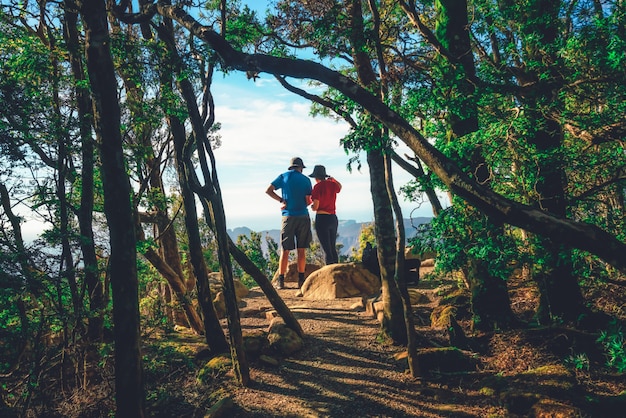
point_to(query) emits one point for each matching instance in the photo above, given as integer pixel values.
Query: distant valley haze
(348, 232)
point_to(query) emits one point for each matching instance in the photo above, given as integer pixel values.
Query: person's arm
(271, 193)
(316, 205)
(334, 180)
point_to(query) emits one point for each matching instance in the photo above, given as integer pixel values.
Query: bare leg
(301, 259)
(283, 262)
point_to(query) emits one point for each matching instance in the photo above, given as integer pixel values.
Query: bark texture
(129, 387)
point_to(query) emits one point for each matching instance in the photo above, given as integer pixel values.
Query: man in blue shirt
(295, 232)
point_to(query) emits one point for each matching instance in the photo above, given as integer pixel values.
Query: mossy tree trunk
(489, 295)
(560, 294)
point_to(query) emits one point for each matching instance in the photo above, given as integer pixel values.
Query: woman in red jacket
(324, 196)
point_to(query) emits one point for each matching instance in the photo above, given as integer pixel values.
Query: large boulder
(216, 283)
(412, 252)
(343, 280)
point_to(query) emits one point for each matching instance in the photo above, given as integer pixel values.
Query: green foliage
(458, 235)
(614, 345)
(366, 236)
(251, 246)
(265, 259)
(579, 362)
(151, 302)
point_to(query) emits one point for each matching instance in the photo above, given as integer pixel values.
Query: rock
(254, 342)
(412, 252)
(429, 262)
(292, 272)
(548, 408)
(271, 361)
(418, 298)
(357, 306)
(219, 303)
(444, 360)
(283, 339)
(216, 283)
(344, 280)
(216, 366)
(442, 316)
(377, 307)
(518, 402)
(269, 315)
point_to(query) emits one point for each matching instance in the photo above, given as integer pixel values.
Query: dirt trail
(344, 371)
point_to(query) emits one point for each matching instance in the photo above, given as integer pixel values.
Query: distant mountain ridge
(348, 232)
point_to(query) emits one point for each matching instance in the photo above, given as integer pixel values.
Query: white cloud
(261, 131)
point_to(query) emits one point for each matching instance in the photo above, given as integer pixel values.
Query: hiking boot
(280, 283)
(300, 281)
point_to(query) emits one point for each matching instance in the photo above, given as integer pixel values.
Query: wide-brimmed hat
(319, 172)
(296, 162)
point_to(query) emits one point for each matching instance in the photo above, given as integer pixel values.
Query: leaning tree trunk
(129, 389)
(210, 192)
(270, 292)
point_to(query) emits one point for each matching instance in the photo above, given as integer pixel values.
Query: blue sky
(263, 126)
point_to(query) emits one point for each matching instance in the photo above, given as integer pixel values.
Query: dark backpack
(370, 259)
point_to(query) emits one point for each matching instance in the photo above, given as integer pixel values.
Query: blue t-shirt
(295, 187)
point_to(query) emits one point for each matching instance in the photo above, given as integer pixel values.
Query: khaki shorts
(296, 232)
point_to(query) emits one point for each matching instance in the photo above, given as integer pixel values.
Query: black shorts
(296, 232)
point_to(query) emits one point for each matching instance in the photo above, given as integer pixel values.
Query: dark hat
(296, 162)
(319, 172)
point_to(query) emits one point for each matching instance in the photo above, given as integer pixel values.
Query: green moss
(215, 367)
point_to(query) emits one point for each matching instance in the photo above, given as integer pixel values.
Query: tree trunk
(95, 289)
(393, 319)
(272, 295)
(210, 194)
(177, 285)
(214, 334)
(167, 260)
(240, 362)
(393, 324)
(400, 276)
(489, 295)
(423, 179)
(129, 389)
(560, 294)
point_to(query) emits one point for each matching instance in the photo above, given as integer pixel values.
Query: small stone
(271, 361)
